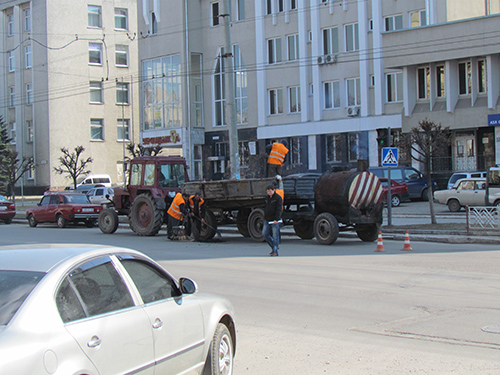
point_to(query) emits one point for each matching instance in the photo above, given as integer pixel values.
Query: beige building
(330, 76)
(70, 78)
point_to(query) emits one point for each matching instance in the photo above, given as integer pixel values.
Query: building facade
(70, 69)
(329, 76)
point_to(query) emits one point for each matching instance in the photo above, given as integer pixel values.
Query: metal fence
(483, 218)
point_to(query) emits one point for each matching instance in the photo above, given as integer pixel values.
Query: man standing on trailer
(277, 154)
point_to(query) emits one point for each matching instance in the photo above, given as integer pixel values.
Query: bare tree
(425, 142)
(72, 165)
(140, 150)
(15, 169)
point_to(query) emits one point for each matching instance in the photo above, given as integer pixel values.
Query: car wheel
(326, 228)
(454, 205)
(8, 221)
(61, 221)
(221, 355)
(395, 200)
(31, 221)
(425, 194)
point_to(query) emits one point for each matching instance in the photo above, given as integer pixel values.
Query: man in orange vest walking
(197, 215)
(276, 157)
(176, 212)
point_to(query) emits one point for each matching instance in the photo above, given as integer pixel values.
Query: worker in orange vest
(277, 154)
(196, 214)
(176, 212)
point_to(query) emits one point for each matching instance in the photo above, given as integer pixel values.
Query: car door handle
(157, 323)
(94, 342)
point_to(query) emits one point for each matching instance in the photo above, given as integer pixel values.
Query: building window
(96, 95)
(394, 87)
(197, 162)
(332, 95)
(281, 6)
(333, 148)
(330, 41)
(94, 16)
(219, 165)
(27, 57)
(154, 24)
(293, 4)
(275, 101)
(122, 93)
(10, 25)
(121, 55)
(293, 47)
(351, 32)
(95, 53)
(353, 144)
(12, 93)
(240, 80)
(197, 84)
(353, 88)
(244, 153)
(393, 22)
(295, 147)
(294, 99)
(215, 14)
(161, 92)
(219, 91)
(27, 19)
(13, 132)
(423, 80)
(121, 19)
(12, 61)
(269, 6)
(240, 10)
(440, 81)
(122, 130)
(96, 129)
(29, 131)
(418, 18)
(274, 50)
(29, 93)
(481, 76)
(464, 78)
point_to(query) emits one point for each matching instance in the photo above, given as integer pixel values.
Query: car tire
(454, 205)
(425, 194)
(108, 221)
(7, 221)
(61, 221)
(31, 221)
(326, 228)
(395, 200)
(209, 228)
(221, 353)
(256, 224)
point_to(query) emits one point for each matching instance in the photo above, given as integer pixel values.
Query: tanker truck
(316, 205)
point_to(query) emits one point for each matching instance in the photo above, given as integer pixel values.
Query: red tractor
(153, 182)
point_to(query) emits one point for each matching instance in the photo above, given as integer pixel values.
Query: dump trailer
(316, 205)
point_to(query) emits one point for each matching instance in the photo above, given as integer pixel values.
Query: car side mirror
(187, 286)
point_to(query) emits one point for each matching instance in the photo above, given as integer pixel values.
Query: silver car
(86, 309)
(101, 195)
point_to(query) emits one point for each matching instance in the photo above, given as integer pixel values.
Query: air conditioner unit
(352, 111)
(321, 59)
(330, 59)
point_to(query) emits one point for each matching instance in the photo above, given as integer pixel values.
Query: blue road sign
(390, 157)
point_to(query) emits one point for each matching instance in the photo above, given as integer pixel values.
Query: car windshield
(75, 198)
(15, 286)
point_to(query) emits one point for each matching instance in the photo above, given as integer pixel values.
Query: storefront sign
(172, 138)
(494, 120)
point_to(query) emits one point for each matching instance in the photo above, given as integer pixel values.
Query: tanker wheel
(326, 228)
(145, 217)
(209, 228)
(367, 233)
(108, 221)
(255, 224)
(304, 229)
(242, 221)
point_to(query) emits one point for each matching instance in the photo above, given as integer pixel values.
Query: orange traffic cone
(380, 243)
(407, 246)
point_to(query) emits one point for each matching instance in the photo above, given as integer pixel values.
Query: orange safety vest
(175, 210)
(281, 193)
(191, 203)
(277, 154)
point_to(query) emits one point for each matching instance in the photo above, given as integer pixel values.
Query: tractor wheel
(256, 224)
(145, 217)
(208, 229)
(108, 221)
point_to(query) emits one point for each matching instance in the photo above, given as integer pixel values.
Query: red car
(62, 208)
(399, 192)
(7, 210)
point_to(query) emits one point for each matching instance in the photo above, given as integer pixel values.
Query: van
(414, 179)
(95, 179)
(459, 175)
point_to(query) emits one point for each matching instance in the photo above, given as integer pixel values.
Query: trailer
(316, 205)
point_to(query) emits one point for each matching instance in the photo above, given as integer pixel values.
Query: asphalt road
(340, 309)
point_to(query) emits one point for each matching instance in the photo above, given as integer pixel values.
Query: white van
(459, 175)
(95, 179)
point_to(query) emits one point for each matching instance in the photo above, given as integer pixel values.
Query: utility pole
(234, 162)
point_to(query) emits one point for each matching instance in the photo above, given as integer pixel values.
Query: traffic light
(382, 138)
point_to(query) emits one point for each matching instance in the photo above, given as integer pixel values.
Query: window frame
(122, 91)
(94, 87)
(357, 91)
(94, 13)
(331, 89)
(351, 30)
(121, 50)
(422, 16)
(10, 25)
(331, 40)
(95, 47)
(423, 83)
(29, 93)
(121, 16)
(294, 93)
(465, 78)
(333, 148)
(293, 53)
(28, 57)
(394, 20)
(394, 86)
(215, 14)
(123, 127)
(440, 81)
(275, 101)
(96, 124)
(12, 62)
(27, 19)
(12, 96)
(274, 51)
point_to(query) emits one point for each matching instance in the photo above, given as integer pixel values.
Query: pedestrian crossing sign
(390, 156)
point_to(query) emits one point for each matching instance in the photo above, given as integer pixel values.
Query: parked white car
(99, 195)
(465, 192)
